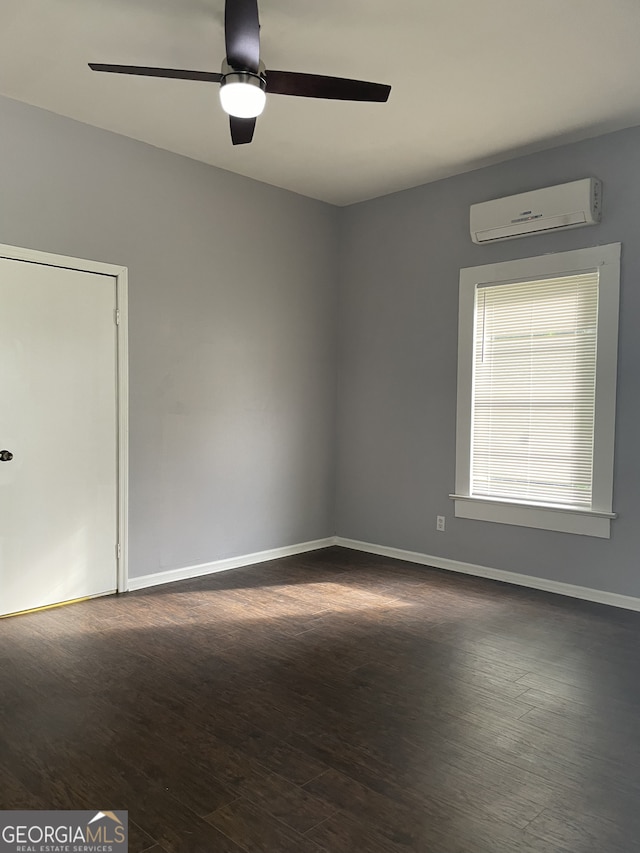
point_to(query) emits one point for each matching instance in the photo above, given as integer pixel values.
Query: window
(537, 356)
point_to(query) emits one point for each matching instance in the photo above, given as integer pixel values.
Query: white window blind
(534, 383)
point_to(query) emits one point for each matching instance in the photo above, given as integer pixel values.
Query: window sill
(565, 520)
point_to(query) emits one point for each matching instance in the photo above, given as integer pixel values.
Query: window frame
(594, 521)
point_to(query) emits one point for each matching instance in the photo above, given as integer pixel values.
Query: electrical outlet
(440, 522)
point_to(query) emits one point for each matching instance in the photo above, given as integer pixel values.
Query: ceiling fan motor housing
(241, 75)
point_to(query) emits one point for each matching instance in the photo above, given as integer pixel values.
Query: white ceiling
(473, 82)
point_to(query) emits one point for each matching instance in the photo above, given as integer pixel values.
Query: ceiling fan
(244, 80)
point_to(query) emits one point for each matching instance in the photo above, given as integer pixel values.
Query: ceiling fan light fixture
(243, 76)
(242, 94)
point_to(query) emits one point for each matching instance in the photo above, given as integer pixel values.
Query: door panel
(58, 416)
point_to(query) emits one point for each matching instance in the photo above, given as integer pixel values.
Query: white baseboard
(613, 599)
(198, 571)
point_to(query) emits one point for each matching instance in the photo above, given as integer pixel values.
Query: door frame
(120, 274)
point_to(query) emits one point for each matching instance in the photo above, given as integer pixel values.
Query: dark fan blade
(319, 86)
(242, 34)
(241, 129)
(208, 76)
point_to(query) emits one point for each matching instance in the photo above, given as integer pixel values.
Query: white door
(58, 421)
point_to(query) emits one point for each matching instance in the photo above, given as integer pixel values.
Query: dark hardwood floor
(332, 702)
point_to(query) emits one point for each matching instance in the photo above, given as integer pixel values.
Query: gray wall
(233, 345)
(400, 259)
(232, 324)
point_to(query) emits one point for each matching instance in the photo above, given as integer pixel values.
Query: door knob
(6, 456)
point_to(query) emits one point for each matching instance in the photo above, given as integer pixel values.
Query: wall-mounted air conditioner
(569, 205)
